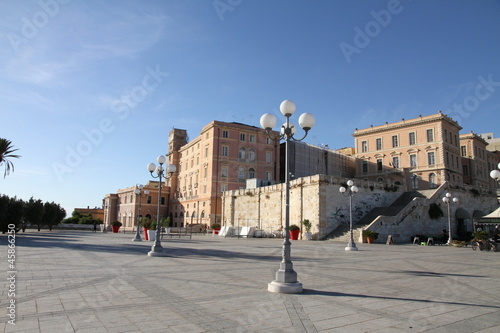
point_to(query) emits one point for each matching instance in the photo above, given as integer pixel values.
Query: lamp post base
(285, 288)
(137, 239)
(156, 251)
(156, 254)
(351, 248)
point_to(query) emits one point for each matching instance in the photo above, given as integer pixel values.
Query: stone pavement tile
(495, 329)
(84, 321)
(22, 325)
(342, 321)
(325, 312)
(52, 324)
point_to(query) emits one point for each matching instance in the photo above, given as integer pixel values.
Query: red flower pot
(294, 234)
(115, 228)
(145, 232)
(216, 230)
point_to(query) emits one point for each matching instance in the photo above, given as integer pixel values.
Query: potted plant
(370, 235)
(165, 223)
(152, 230)
(146, 225)
(215, 227)
(115, 226)
(294, 232)
(307, 225)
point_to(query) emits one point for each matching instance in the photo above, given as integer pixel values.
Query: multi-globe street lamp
(157, 249)
(350, 191)
(447, 200)
(286, 278)
(138, 192)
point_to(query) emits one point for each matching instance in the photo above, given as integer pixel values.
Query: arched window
(380, 180)
(251, 173)
(241, 173)
(181, 215)
(241, 153)
(187, 214)
(432, 180)
(202, 214)
(251, 155)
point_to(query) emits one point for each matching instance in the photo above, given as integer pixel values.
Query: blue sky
(90, 89)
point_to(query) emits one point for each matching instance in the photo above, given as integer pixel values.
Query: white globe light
(161, 159)
(267, 121)
(146, 192)
(287, 107)
(350, 182)
(151, 167)
(171, 168)
(455, 200)
(354, 188)
(448, 195)
(495, 174)
(306, 121)
(292, 128)
(445, 199)
(342, 189)
(140, 186)
(137, 191)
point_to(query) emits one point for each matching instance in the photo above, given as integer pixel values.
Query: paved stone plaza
(79, 281)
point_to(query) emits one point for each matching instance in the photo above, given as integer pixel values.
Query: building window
(413, 161)
(412, 138)
(446, 135)
(251, 173)
(225, 134)
(395, 161)
(149, 199)
(241, 173)
(269, 175)
(379, 165)
(202, 214)
(206, 151)
(430, 135)
(365, 166)
(251, 138)
(269, 157)
(241, 153)
(162, 200)
(224, 171)
(225, 151)
(431, 158)
(364, 146)
(269, 140)
(447, 158)
(379, 143)
(395, 141)
(465, 169)
(432, 180)
(463, 150)
(242, 136)
(251, 155)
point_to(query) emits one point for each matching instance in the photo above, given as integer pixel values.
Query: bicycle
(482, 245)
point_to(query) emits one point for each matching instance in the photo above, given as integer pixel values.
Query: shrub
(293, 227)
(370, 234)
(117, 224)
(307, 225)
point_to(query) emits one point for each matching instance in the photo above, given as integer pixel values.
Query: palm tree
(6, 150)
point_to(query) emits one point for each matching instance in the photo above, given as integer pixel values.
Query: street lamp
(495, 174)
(137, 192)
(286, 278)
(447, 200)
(350, 191)
(157, 249)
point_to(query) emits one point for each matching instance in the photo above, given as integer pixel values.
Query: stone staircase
(342, 233)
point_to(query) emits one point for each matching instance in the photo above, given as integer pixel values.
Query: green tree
(33, 212)
(15, 212)
(6, 150)
(52, 214)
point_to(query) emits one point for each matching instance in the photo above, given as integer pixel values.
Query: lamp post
(350, 191)
(447, 200)
(495, 174)
(157, 249)
(286, 278)
(137, 192)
